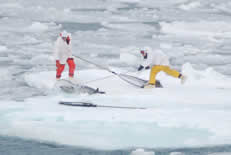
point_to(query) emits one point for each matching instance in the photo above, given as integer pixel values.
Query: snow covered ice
(194, 34)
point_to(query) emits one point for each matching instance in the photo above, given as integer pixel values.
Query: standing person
(157, 61)
(63, 54)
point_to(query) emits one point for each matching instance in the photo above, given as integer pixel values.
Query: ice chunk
(38, 27)
(142, 152)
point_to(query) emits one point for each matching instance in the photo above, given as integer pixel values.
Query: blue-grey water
(18, 146)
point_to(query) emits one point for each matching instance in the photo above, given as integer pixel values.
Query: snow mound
(130, 56)
(3, 48)
(199, 29)
(141, 152)
(41, 80)
(38, 27)
(190, 6)
(5, 74)
(176, 153)
(41, 59)
(205, 78)
(223, 7)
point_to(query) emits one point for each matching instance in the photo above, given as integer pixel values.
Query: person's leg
(171, 72)
(175, 74)
(71, 64)
(154, 71)
(59, 69)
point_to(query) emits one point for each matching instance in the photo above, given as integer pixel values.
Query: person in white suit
(63, 54)
(157, 61)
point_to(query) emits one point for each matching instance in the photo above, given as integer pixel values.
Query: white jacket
(156, 57)
(62, 51)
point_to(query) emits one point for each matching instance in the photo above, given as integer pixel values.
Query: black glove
(147, 67)
(140, 68)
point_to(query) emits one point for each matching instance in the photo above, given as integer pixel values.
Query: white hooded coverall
(158, 61)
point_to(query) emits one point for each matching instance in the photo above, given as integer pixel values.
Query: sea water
(18, 146)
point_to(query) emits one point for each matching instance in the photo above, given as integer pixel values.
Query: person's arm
(147, 67)
(146, 63)
(140, 68)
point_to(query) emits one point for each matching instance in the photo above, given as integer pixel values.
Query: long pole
(99, 66)
(86, 104)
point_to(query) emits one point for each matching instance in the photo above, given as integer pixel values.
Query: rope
(99, 79)
(99, 66)
(103, 78)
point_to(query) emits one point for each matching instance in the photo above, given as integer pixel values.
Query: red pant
(60, 67)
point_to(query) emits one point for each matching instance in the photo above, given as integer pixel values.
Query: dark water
(17, 146)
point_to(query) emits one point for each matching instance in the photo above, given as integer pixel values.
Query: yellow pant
(156, 69)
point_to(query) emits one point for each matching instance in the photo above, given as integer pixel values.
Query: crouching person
(157, 61)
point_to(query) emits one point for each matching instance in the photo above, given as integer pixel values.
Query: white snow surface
(186, 112)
